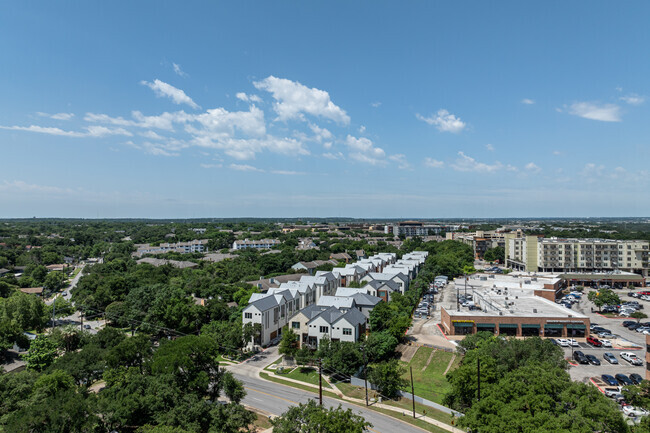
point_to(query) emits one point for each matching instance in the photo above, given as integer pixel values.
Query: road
(275, 398)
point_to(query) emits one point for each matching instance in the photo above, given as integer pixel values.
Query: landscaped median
(306, 379)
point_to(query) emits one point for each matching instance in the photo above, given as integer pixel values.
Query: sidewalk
(361, 402)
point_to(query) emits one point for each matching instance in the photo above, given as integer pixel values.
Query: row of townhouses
(325, 306)
(261, 244)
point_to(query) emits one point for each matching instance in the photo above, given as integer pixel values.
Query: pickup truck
(611, 392)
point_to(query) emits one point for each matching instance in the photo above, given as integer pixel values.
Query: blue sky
(363, 109)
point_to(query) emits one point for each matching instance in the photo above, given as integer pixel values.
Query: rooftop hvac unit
(500, 313)
(535, 310)
(516, 297)
(506, 298)
(534, 279)
(512, 311)
(527, 282)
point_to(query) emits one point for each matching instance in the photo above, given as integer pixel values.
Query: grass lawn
(303, 374)
(273, 378)
(262, 422)
(430, 383)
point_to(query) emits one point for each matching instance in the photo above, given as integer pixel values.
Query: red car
(594, 341)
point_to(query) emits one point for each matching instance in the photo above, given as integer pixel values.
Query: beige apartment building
(480, 241)
(537, 254)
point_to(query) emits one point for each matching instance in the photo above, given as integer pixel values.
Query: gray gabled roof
(312, 311)
(330, 315)
(337, 301)
(390, 284)
(365, 299)
(385, 276)
(265, 303)
(354, 316)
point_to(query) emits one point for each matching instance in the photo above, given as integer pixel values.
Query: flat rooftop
(516, 304)
(509, 281)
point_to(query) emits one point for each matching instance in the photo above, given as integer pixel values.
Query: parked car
(623, 379)
(634, 411)
(631, 358)
(594, 341)
(627, 323)
(611, 392)
(609, 357)
(634, 326)
(606, 343)
(609, 380)
(636, 378)
(580, 357)
(592, 360)
(605, 334)
(563, 342)
(573, 342)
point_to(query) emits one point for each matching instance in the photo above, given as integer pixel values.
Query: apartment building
(537, 254)
(480, 240)
(195, 246)
(262, 244)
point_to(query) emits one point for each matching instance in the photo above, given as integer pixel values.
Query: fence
(360, 382)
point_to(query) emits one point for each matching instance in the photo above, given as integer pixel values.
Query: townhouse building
(262, 244)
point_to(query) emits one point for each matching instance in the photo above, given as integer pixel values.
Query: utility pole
(54, 313)
(412, 391)
(365, 371)
(320, 381)
(478, 375)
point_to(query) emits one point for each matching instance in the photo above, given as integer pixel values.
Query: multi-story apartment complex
(195, 246)
(480, 241)
(417, 228)
(262, 244)
(536, 254)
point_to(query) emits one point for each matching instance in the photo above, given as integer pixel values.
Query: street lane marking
(271, 395)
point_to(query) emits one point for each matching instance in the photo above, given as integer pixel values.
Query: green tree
(602, 297)
(42, 352)
(638, 315)
(313, 418)
(388, 377)
(289, 342)
(495, 254)
(54, 281)
(380, 346)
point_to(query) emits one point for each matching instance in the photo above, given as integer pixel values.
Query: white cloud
(288, 172)
(57, 116)
(24, 187)
(527, 101)
(91, 131)
(376, 104)
(162, 89)
(433, 163)
(337, 155)
(444, 121)
(248, 98)
(364, 151)
(489, 147)
(362, 129)
(211, 165)
(557, 153)
(246, 167)
(632, 99)
(294, 99)
(532, 167)
(178, 70)
(596, 111)
(151, 135)
(468, 164)
(320, 134)
(401, 161)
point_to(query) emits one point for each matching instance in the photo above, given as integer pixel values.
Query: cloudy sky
(362, 109)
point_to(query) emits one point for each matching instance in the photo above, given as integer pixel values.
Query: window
(248, 315)
(324, 329)
(295, 325)
(347, 331)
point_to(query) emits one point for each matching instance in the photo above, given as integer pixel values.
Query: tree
(496, 254)
(603, 297)
(54, 281)
(380, 346)
(313, 418)
(42, 352)
(288, 343)
(341, 357)
(638, 315)
(387, 376)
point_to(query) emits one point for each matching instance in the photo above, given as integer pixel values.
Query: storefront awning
(524, 325)
(485, 325)
(508, 325)
(575, 326)
(554, 326)
(463, 324)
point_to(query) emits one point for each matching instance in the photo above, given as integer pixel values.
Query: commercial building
(195, 246)
(516, 305)
(537, 254)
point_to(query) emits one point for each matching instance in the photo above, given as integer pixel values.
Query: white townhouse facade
(262, 244)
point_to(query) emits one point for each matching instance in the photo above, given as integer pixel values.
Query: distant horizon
(344, 218)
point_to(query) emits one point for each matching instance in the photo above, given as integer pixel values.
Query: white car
(631, 358)
(563, 342)
(573, 342)
(634, 411)
(606, 343)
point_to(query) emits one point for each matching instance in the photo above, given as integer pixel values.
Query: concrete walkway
(362, 402)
